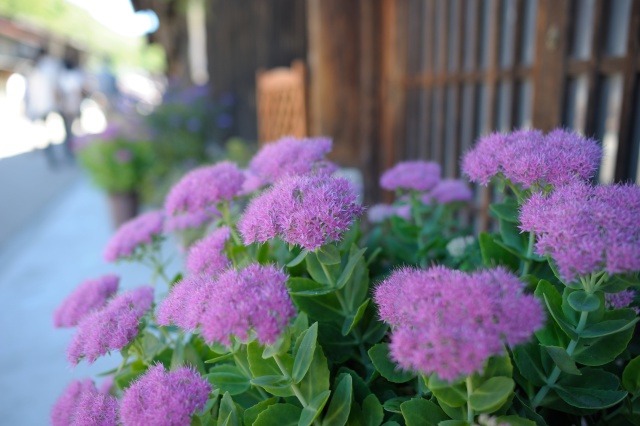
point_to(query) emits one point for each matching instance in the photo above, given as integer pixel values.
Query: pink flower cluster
(415, 175)
(449, 322)
(164, 398)
(238, 301)
(586, 228)
(81, 404)
(90, 295)
(448, 191)
(621, 300)
(381, 212)
(305, 210)
(132, 235)
(291, 156)
(195, 198)
(207, 255)
(528, 157)
(112, 327)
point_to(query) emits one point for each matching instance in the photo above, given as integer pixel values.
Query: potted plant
(120, 165)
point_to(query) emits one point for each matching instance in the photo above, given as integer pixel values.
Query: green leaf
(316, 381)
(562, 359)
(515, 421)
(557, 315)
(606, 328)
(305, 287)
(227, 414)
(228, 378)
(304, 353)
(251, 414)
(491, 395)
(313, 410)
(454, 423)
(512, 237)
(602, 350)
(352, 320)
(589, 398)
(393, 405)
(379, 355)
(316, 271)
(280, 346)
(372, 413)
(219, 358)
(320, 307)
(340, 405)
(298, 259)
(272, 382)
(493, 254)
(582, 301)
(508, 210)
(420, 412)
(328, 254)
(150, 345)
(123, 380)
(527, 359)
(452, 394)
(631, 375)
(279, 415)
(348, 269)
(551, 334)
(267, 367)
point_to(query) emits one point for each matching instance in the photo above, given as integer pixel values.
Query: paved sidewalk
(39, 266)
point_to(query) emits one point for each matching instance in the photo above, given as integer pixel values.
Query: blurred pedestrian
(71, 90)
(41, 93)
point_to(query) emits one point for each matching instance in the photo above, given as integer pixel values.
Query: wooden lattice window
(281, 99)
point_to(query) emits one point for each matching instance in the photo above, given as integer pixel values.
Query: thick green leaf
(420, 412)
(551, 334)
(352, 320)
(379, 355)
(228, 378)
(228, 414)
(589, 398)
(372, 413)
(267, 367)
(328, 254)
(527, 359)
(507, 210)
(280, 346)
(272, 382)
(631, 375)
(316, 381)
(491, 395)
(582, 301)
(602, 350)
(512, 237)
(304, 353)
(557, 315)
(219, 358)
(496, 366)
(393, 405)
(279, 415)
(452, 394)
(305, 287)
(345, 275)
(562, 359)
(493, 254)
(340, 405)
(606, 328)
(454, 423)
(251, 414)
(319, 306)
(313, 410)
(298, 259)
(122, 380)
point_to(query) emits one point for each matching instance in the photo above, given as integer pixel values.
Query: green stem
(166, 334)
(332, 283)
(555, 374)
(294, 387)
(470, 413)
(414, 209)
(226, 218)
(527, 263)
(241, 366)
(124, 362)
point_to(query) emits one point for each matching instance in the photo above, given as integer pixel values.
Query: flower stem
(527, 263)
(470, 413)
(555, 374)
(332, 283)
(294, 387)
(241, 366)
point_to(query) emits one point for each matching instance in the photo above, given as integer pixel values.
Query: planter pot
(123, 206)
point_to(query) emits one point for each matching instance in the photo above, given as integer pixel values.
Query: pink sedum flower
(528, 157)
(305, 210)
(185, 303)
(164, 398)
(112, 327)
(449, 322)
(587, 229)
(621, 300)
(90, 295)
(254, 298)
(192, 220)
(199, 193)
(416, 175)
(448, 191)
(207, 255)
(132, 235)
(291, 156)
(63, 410)
(95, 409)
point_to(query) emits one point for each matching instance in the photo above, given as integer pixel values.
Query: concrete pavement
(56, 247)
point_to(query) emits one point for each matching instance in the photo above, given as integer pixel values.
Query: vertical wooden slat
(628, 101)
(438, 145)
(517, 53)
(456, 137)
(599, 29)
(549, 65)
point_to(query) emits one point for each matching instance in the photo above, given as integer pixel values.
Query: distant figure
(40, 97)
(70, 85)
